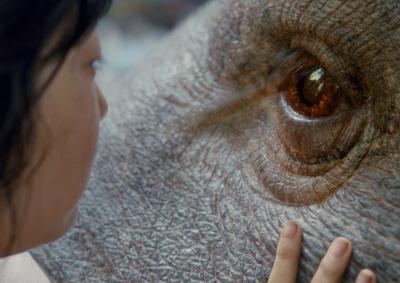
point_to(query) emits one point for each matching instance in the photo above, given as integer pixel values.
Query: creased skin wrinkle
(175, 200)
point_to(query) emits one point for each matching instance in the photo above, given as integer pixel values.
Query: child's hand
(330, 269)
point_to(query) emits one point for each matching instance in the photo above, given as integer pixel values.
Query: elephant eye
(312, 92)
(313, 127)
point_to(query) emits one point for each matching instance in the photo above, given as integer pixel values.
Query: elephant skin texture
(249, 114)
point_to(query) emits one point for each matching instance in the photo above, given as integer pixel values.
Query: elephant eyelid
(346, 77)
(340, 66)
(277, 73)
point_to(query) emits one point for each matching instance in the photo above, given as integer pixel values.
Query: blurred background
(133, 27)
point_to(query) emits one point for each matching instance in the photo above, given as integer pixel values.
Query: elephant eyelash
(341, 67)
(293, 60)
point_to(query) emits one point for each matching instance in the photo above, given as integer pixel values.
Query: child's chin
(65, 226)
(70, 219)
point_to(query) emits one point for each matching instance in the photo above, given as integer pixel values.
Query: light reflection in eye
(312, 92)
(317, 75)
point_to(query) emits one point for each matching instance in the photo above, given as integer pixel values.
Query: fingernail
(290, 229)
(339, 247)
(365, 276)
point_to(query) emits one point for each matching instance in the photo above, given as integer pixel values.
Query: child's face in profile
(64, 146)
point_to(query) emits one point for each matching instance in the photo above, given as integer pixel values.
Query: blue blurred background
(133, 27)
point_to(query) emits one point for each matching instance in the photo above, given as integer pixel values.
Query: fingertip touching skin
(331, 268)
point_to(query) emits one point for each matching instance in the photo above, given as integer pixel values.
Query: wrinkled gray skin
(201, 161)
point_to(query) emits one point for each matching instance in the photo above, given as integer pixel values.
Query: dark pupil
(310, 86)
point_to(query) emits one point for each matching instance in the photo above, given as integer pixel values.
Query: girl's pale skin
(69, 113)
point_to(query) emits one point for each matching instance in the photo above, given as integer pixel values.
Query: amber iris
(312, 92)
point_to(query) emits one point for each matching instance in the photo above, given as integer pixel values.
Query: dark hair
(26, 27)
